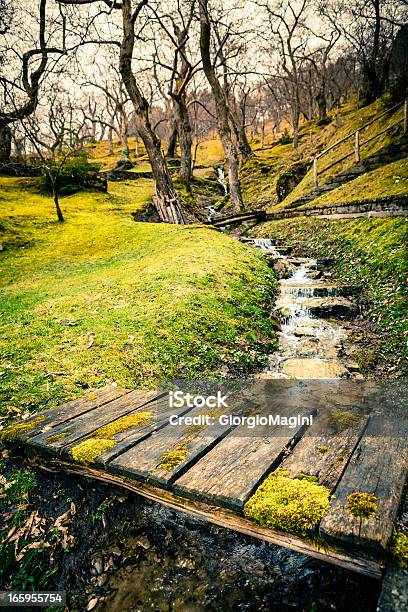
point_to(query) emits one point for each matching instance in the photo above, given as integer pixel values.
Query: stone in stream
(304, 331)
(281, 267)
(332, 307)
(313, 368)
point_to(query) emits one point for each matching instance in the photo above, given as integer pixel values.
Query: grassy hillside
(260, 174)
(351, 122)
(101, 297)
(371, 253)
(391, 179)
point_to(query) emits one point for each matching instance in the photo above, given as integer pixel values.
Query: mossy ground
(102, 298)
(350, 119)
(399, 547)
(391, 179)
(260, 173)
(294, 505)
(370, 253)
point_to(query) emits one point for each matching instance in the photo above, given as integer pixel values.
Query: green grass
(350, 121)
(370, 253)
(102, 298)
(391, 179)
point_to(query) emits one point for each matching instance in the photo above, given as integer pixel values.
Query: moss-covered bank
(101, 298)
(371, 253)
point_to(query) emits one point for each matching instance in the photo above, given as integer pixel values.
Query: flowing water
(309, 347)
(221, 180)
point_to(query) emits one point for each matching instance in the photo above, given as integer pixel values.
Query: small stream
(309, 347)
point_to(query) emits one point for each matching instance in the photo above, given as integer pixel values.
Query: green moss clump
(323, 449)
(293, 505)
(87, 451)
(55, 437)
(362, 505)
(307, 477)
(343, 419)
(173, 458)
(104, 437)
(400, 548)
(12, 432)
(122, 424)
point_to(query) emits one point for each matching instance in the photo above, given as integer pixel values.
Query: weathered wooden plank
(379, 466)
(124, 440)
(168, 452)
(325, 449)
(229, 473)
(229, 520)
(65, 412)
(62, 435)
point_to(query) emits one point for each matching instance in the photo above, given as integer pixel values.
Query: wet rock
(282, 268)
(101, 580)
(316, 275)
(332, 307)
(97, 563)
(313, 368)
(304, 331)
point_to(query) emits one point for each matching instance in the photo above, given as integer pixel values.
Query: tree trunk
(321, 105)
(5, 144)
(123, 137)
(185, 139)
(238, 130)
(222, 110)
(60, 216)
(171, 147)
(110, 141)
(295, 123)
(166, 201)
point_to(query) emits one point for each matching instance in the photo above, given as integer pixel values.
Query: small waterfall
(221, 180)
(306, 292)
(268, 245)
(212, 213)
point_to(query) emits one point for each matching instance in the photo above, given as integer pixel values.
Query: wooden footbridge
(210, 467)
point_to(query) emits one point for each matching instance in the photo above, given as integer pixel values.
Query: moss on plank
(362, 505)
(343, 419)
(173, 458)
(129, 421)
(293, 505)
(13, 431)
(88, 450)
(104, 437)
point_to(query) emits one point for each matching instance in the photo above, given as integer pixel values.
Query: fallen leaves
(67, 540)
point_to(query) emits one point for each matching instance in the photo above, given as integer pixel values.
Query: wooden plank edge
(227, 519)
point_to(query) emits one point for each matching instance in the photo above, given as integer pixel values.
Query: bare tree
(21, 89)
(286, 24)
(223, 112)
(55, 137)
(370, 28)
(166, 199)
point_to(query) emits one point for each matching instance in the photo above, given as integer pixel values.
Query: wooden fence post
(315, 179)
(357, 146)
